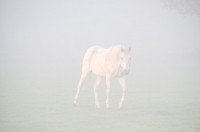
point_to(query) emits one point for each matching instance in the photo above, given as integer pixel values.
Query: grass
(50, 109)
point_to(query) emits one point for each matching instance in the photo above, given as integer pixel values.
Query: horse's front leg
(122, 83)
(108, 91)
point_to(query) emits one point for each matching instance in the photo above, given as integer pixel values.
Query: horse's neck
(117, 71)
(113, 55)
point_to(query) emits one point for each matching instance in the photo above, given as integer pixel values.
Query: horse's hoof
(74, 104)
(121, 107)
(108, 107)
(98, 106)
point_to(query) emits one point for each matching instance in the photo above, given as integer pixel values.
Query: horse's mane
(114, 53)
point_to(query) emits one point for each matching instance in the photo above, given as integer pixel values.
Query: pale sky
(51, 37)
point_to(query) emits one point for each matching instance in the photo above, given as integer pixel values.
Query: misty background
(42, 44)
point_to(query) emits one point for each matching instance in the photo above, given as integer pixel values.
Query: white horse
(108, 63)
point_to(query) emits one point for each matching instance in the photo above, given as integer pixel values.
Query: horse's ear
(129, 49)
(122, 50)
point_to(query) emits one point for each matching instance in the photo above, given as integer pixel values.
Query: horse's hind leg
(122, 83)
(96, 86)
(81, 81)
(108, 91)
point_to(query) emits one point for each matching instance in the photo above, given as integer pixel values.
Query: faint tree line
(184, 7)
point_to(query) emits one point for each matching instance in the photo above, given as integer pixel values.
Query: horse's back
(89, 53)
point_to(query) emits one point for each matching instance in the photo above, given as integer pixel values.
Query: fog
(42, 44)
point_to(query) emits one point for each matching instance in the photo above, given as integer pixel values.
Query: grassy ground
(49, 108)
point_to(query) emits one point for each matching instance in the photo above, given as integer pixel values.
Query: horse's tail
(86, 69)
(87, 58)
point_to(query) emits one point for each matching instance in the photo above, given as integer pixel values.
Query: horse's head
(125, 59)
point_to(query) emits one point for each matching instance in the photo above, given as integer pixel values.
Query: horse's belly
(98, 66)
(98, 69)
